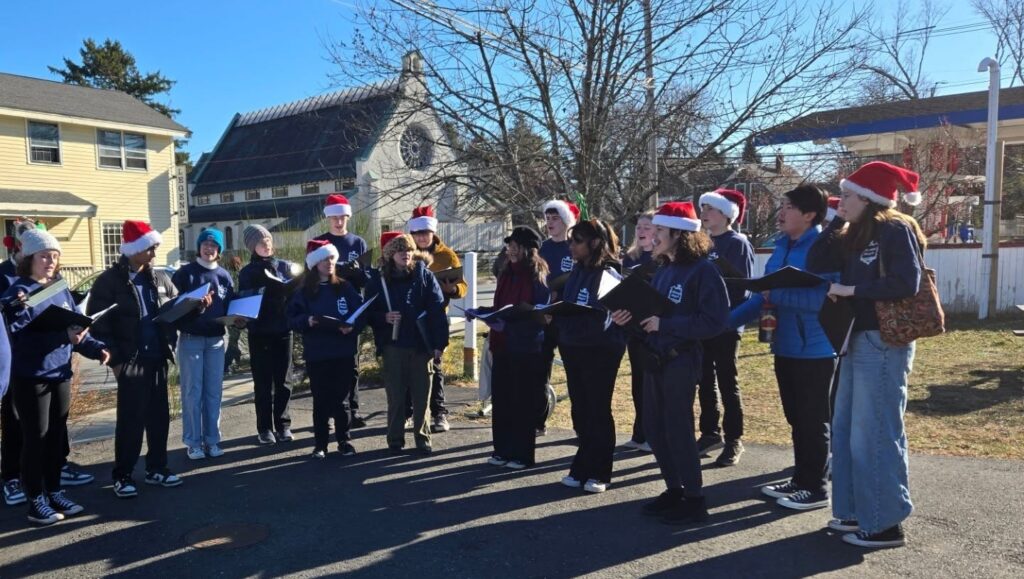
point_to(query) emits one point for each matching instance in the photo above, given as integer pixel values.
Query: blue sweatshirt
(45, 356)
(584, 330)
(350, 246)
(642, 259)
(701, 308)
(8, 274)
(734, 248)
(558, 256)
(252, 280)
(411, 295)
(321, 343)
(192, 276)
(799, 333)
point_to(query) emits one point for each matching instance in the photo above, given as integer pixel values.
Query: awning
(19, 202)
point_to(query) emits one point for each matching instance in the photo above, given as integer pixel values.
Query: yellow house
(82, 160)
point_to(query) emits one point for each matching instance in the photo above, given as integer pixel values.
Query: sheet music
(196, 294)
(351, 320)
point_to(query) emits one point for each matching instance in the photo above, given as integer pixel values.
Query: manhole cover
(225, 536)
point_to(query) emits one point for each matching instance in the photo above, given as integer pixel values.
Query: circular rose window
(416, 148)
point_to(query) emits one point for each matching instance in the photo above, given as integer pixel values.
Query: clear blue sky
(231, 56)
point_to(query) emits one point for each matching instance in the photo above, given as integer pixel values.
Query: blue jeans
(869, 444)
(201, 363)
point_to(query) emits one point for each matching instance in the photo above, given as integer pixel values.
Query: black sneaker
(13, 493)
(124, 488)
(844, 525)
(70, 476)
(60, 502)
(777, 491)
(708, 443)
(665, 502)
(164, 478)
(690, 510)
(804, 500)
(41, 513)
(358, 422)
(730, 454)
(346, 449)
(318, 454)
(891, 537)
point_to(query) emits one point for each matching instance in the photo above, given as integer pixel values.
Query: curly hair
(689, 246)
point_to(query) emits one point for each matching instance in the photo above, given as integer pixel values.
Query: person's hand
(393, 317)
(621, 317)
(312, 322)
(105, 357)
(76, 334)
(345, 329)
(117, 370)
(837, 290)
(449, 287)
(651, 324)
(239, 323)
(207, 300)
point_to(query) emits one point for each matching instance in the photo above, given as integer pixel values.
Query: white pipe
(989, 246)
(469, 326)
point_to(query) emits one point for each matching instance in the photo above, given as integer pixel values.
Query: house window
(345, 184)
(227, 197)
(44, 143)
(203, 200)
(111, 242)
(310, 188)
(119, 150)
(229, 238)
(278, 192)
(252, 194)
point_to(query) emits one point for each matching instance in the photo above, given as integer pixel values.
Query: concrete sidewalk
(271, 511)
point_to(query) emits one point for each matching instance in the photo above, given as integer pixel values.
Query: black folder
(562, 308)
(787, 277)
(644, 270)
(57, 319)
(449, 275)
(509, 313)
(638, 297)
(836, 318)
(727, 269)
(558, 282)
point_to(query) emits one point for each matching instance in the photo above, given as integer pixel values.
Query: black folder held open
(57, 319)
(786, 277)
(637, 297)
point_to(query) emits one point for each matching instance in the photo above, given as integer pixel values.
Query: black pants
(637, 354)
(10, 438)
(719, 361)
(271, 357)
(804, 388)
(547, 350)
(517, 384)
(43, 412)
(142, 408)
(437, 405)
(353, 397)
(590, 373)
(668, 420)
(331, 382)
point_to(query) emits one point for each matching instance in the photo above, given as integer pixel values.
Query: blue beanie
(211, 234)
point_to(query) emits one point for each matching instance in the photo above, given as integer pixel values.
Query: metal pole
(469, 365)
(652, 138)
(990, 243)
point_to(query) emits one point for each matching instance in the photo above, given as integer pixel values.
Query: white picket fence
(958, 272)
(464, 237)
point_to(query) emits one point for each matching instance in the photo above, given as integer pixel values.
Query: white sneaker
(595, 486)
(645, 447)
(515, 465)
(213, 451)
(195, 453)
(497, 461)
(571, 482)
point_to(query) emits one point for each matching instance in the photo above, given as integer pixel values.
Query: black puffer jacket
(119, 329)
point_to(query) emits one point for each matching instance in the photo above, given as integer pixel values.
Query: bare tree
(576, 70)
(898, 45)
(1007, 19)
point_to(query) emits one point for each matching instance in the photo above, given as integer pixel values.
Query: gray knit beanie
(253, 234)
(36, 240)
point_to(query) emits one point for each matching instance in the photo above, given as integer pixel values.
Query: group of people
(869, 252)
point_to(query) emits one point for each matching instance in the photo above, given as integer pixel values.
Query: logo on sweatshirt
(353, 255)
(713, 255)
(675, 293)
(870, 253)
(222, 291)
(583, 298)
(408, 297)
(343, 306)
(566, 263)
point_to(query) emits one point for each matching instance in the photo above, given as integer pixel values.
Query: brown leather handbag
(902, 321)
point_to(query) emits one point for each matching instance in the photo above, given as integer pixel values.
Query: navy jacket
(799, 333)
(522, 336)
(701, 309)
(44, 356)
(642, 259)
(734, 248)
(412, 295)
(252, 280)
(558, 256)
(194, 275)
(350, 246)
(5, 357)
(8, 274)
(320, 343)
(581, 288)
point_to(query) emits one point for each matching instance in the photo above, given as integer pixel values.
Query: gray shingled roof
(45, 201)
(47, 96)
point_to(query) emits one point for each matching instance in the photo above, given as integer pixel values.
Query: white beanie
(36, 240)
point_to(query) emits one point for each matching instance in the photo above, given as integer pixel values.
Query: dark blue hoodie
(735, 249)
(584, 330)
(319, 343)
(412, 295)
(193, 275)
(701, 307)
(253, 280)
(558, 257)
(44, 355)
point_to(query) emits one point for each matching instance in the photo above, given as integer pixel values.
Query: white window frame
(28, 144)
(202, 200)
(339, 184)
(302, 188)
(123, 151)
(254, 198)
(275, 190)
(114, 245)
(228, 197)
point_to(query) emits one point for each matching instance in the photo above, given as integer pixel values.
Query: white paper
(351, 320)
(609, 280)
(246, 307)
(100, 313)
(196, 294)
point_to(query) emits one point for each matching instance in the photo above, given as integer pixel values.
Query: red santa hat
(337, 205)
(833, 206)
(136, 237)
(730, 202)
(387, 236)
(880, 182)
(567, 210)
(318, 250)
(422, 219)
(677, 215)
(9, 242)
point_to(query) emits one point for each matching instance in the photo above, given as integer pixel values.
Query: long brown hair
(689, 247)
(606, 251)
(24, 266)
(310, 282)
(859, 234)
(535, 264)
